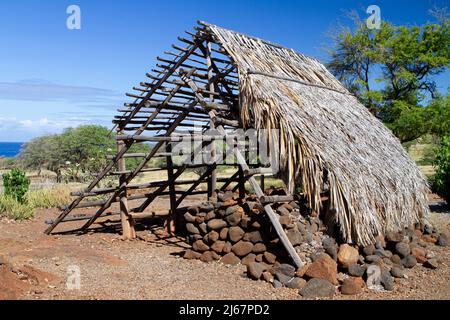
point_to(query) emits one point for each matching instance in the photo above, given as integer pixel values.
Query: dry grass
(374, 185)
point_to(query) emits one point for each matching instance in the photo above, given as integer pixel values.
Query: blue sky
(52, 77)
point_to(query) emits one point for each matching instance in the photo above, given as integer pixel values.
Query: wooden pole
(128, 231)
(212, 186)
(173, 197)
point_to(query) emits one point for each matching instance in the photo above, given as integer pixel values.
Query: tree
(78, 153)
(403, 60)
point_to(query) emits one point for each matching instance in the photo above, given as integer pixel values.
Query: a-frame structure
(195, 85)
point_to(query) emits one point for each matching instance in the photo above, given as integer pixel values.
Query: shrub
(16, 184)
(442, 164)
(13, 209)
(49, 198)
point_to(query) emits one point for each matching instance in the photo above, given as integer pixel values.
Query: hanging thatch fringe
(374, 185)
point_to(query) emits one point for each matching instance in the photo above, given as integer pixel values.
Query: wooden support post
(212, 185)
(128, 231)
(241, 183)
(262, 182)
(173, 197)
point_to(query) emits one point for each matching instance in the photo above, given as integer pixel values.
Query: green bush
(442, 164)
(16, 184)
(13, 209)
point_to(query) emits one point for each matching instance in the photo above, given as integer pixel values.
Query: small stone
(284, 268)
(216, 224)
(206, 207)
(330, 246)
(373, 276)
(295, 237)
(350, 287)
(409, 261)
(193, 211)
(431, 263)
(218, 246)
(285, 220)
(259, 257)
(387, 280)
(397, 272)
(230, 259)
(234, 218)
(383, 253)
(442, 240)
(231, 210)
(210, 215)
(402, 249)
(253, 237)
(206, 257)
(421, 259)
(418, 252)
(189, 217)
(213, 236)
(203, 229)
(323, 268)
(223, 234)
(191, 228)
(394, 236)
(255, 270)
(396, 259)
(235, 234)
(191, 255)
(347, 255)
(356, 270)
(429, 238)
(199, 219)
(277, 284)
(268, 277)
(296, 283)
(251, 257)
(200, 246)
(369, 250)
(373, 258)
(284, 279)
(227, 247)
(317, 288)
(282, 211)
(259, 248)
(270, 257)
(301, 271)
(242, 248)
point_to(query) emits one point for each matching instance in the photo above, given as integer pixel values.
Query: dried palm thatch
(326, 134)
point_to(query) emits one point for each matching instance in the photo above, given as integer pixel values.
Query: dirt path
(151, 268)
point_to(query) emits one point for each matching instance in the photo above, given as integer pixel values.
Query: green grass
(11, 208)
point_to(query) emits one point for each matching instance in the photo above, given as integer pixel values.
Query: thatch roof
(373, 183)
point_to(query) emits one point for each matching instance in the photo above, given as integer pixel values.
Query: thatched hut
(328, 139)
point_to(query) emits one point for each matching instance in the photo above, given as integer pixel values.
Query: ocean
(10, 149)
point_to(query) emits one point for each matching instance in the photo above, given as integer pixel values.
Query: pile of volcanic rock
(236, 231)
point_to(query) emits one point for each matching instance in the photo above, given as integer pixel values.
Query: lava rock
(270, 257)
(191, 255)
(402, 249)
(296, 283)
(284, 279)
(242, 248)
(202, 227)
(230, 259)
(277, 284)
(373, 276)
(317, 288)
(235, 234)
(223, 234)
(213, 236)
(253, 237)
(216, 224)
(373, 258)
(347, 255)
(369, 250)
(251, 257)
(330, 246)
(323, 268)
(442, 240)
(189, 217)
(227, 247)
(356, 270)
(206, 257)
(255, 270)
(409, 261)
(387, 281)
(191, 228)
(350, 287)
(200, 246)
(268, 277)
(394, 236)
(218, 246)
(284, 268)
(234, 218)
(259, 248)
(397, 272)
(295, 237)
